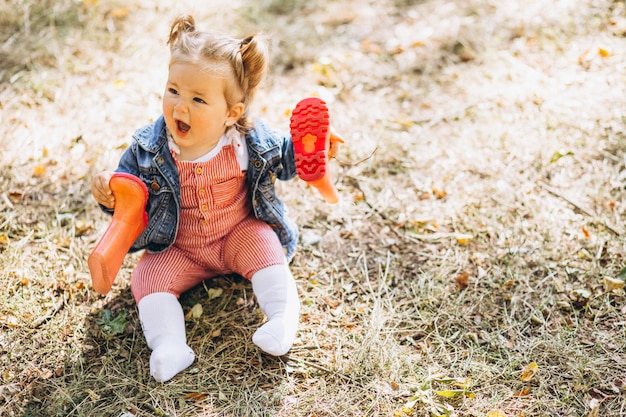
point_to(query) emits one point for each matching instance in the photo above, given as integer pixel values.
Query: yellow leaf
(4, 240)
(119, 83)
(529, 371)
(119, 13)
(215, 293)
(449, 393)
(496, 413)
(611, 284)
(603, 53)
(196, 311)
(39, 170)
(463, 239)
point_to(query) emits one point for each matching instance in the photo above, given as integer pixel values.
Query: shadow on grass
(111, 376)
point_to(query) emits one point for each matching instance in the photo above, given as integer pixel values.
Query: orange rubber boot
(310, 134)
(129, 220)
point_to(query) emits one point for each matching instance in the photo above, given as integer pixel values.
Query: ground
(473, 266)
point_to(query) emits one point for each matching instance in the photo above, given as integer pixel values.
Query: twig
(353, 164)
(577, 206)
(49, 314)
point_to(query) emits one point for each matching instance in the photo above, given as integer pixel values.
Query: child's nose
(181, 107)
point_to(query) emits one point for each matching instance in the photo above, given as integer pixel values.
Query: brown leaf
(331, 303)
(585, 232)
(196, 396)
(462, 280)
(439, 193)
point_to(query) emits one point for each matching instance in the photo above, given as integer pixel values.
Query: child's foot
(276, 292)
(277, 335)
(310, 134)
(169, 359)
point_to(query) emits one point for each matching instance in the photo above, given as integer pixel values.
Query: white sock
(163, 324)
(276, 293)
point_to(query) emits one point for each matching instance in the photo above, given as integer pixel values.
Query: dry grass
(482, 212)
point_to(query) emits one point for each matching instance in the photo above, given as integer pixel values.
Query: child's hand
(101, 191)
(335, 140)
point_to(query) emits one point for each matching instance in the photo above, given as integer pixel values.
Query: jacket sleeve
(287, 169)
(128, 162)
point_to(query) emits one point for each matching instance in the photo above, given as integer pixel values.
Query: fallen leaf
(92, 394)
(462, 280)
(39, 171)
(439, 193)
(331, 303)
(215, 293)
(119, 13)
(529, 371)
(585, 232)
(611, 284)
(196, 311)
(603, 53)
(594, 407)
(496, 413)
(463, 239)
(522, 393)
(195, 396)
(449, 393)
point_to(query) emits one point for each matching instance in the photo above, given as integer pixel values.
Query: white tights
(163, 322)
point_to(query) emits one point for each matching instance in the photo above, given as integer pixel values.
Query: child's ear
(235, 112)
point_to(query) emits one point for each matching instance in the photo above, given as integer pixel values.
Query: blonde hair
(242, 62)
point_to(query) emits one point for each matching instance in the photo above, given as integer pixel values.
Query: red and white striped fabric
(217, 233)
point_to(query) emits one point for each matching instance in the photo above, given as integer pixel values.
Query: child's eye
(172, 91)
(198, 100)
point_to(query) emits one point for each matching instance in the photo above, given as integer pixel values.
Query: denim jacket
(271, 157)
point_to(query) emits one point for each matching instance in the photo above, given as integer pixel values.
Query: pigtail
(181, 24)
(251, 64)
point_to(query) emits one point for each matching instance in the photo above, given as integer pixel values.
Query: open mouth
(182, 127)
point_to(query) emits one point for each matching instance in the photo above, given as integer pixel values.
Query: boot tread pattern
(309, 127)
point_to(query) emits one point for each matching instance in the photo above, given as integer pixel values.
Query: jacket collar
(152, 137)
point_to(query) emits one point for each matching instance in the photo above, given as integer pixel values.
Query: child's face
(195, 109)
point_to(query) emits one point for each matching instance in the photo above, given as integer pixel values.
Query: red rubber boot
(129, 220)
(310, 134)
